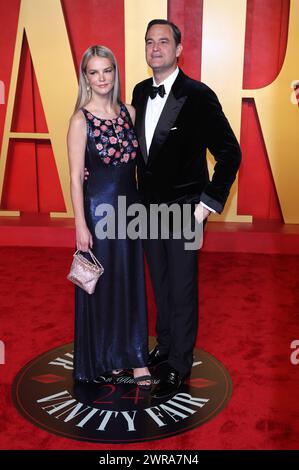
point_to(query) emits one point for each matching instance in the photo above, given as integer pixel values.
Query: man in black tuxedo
(177, 120)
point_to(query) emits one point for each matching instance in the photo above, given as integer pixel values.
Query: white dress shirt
(155, 107)
(153, 112)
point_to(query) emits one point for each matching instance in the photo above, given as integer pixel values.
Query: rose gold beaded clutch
(85, 273)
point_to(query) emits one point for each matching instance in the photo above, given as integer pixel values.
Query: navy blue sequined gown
(111, 324)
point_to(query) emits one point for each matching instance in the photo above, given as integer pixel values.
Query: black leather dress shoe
(155, 357)
(168, 384)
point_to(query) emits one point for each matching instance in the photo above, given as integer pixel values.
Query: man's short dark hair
(175, 30)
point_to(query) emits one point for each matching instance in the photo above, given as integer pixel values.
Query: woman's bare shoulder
(77, 119)
(132, 111)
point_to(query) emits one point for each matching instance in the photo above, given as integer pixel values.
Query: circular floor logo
(45, 394)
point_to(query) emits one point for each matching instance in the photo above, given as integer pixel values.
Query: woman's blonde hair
(84, 95)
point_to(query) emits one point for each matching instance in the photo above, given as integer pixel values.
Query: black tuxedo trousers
(174, 275)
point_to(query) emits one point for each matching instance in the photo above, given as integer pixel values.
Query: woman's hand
(83, 238)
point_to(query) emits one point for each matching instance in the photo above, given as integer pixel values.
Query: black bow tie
(157, 90)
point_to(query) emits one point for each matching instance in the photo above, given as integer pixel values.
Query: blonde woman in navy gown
(111, 324)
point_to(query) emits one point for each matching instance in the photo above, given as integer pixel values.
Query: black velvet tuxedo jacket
(175, 170)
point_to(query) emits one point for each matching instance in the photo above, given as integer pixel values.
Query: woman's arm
(76, 141)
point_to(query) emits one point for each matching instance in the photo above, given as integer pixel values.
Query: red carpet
(249, 314)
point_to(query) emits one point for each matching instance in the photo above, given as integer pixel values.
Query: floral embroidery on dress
(115, 139)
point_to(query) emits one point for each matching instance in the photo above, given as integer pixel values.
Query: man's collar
(169, 81)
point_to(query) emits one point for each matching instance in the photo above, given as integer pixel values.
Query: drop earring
(88, 88)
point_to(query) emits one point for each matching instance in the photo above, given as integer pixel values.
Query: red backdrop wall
(31, 180)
